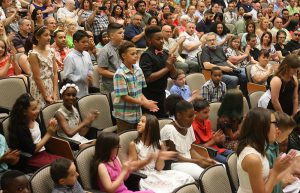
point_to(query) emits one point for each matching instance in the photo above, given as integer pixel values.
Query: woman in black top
(279, 46)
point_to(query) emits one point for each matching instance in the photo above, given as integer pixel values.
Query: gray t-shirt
(216, 56)
(108, 58)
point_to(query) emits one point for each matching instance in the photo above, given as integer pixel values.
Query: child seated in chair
(214, 89)
(14, 181)
(68, 117)
(180, 88)
(64, 175)
(203, 131)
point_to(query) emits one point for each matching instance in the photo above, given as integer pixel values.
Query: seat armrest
(4, 110)
(212, 152)
(133, 181)
(74, 144)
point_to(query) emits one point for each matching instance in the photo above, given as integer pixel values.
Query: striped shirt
(131, 84)
(213, 93)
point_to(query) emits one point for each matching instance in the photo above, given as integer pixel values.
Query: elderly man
(140, 7)
(60, 48)
(22, 40)
(135, 33)
(50, 23)
(97, 20)
(174, 47)
(213, 55)
(278, 25)
(191, 46)
(68, 11)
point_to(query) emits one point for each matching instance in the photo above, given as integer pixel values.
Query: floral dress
(46, 75)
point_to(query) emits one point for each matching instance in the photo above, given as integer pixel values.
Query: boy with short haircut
(109, 59)
(78, 65)
(285, 125)
(203, 131)
(214, 89)
(157, 65)
(14, 181)
(64, 175)
(128, 84)
(181, 89)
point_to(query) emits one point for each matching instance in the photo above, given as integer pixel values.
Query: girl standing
(147, 150)
(284, 86)
(109, 173)
(257, 131)
(44, 79)
(25, 133)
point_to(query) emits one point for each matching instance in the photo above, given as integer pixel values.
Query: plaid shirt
(213, 93)
(131, 84)
(100, 22)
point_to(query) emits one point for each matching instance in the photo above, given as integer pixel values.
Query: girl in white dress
(258, 129)
(179, 136)
(149, 153)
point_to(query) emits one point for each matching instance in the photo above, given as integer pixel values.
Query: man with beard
(213, 55)
(140, 7)
(205, 24)
(60, 48)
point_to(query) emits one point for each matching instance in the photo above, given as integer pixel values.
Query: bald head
(166, 32)
(278, 23)
(70, 5)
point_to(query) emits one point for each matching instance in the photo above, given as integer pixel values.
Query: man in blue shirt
(133, 32)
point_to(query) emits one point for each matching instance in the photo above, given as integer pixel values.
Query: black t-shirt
(291, 46)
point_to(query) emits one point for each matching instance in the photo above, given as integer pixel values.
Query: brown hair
(284, 121)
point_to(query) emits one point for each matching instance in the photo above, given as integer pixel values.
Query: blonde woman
(263, 27)
(71, 28)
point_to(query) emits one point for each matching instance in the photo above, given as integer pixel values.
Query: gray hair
(211, 34)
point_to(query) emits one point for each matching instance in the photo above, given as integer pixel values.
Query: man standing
(191, 47)
(174, 47)
(135, 33)
(97, 20)
(140, 7)
(60, 47)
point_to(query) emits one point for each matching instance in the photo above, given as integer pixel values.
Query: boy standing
(128, 84)
(181, 89)
(203, 131)
(109, 59)
(63, 173)
(157, 66)
(78, 65)
(214, 89)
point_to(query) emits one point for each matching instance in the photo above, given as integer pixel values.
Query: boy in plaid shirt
(129, 81)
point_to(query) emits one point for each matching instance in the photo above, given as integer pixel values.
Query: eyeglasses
(298, 34)
(274, 122)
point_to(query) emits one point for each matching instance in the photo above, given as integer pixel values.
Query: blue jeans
(223, 156)
(231, 81)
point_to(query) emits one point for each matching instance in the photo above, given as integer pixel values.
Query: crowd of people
(134, 47)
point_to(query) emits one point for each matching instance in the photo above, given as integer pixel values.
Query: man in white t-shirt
(67, 12)
(191, 47)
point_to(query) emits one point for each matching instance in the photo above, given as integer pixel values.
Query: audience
(64, 175)
(109, 60)
(78, 64)
(157, 66)
(230, 115)
(214, 89)
(134, 32)
(259, 129)
(128, 84)
(180, 88)
(203, 131)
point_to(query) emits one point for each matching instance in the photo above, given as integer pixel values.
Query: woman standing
(284, 86)
(43, 80)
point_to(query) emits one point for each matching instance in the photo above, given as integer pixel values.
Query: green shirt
(69, 40)
(272, 154)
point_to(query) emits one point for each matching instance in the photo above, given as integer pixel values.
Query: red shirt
(5, 61)
(203, 133)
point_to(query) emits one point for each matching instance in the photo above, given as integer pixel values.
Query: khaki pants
(125, 126)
